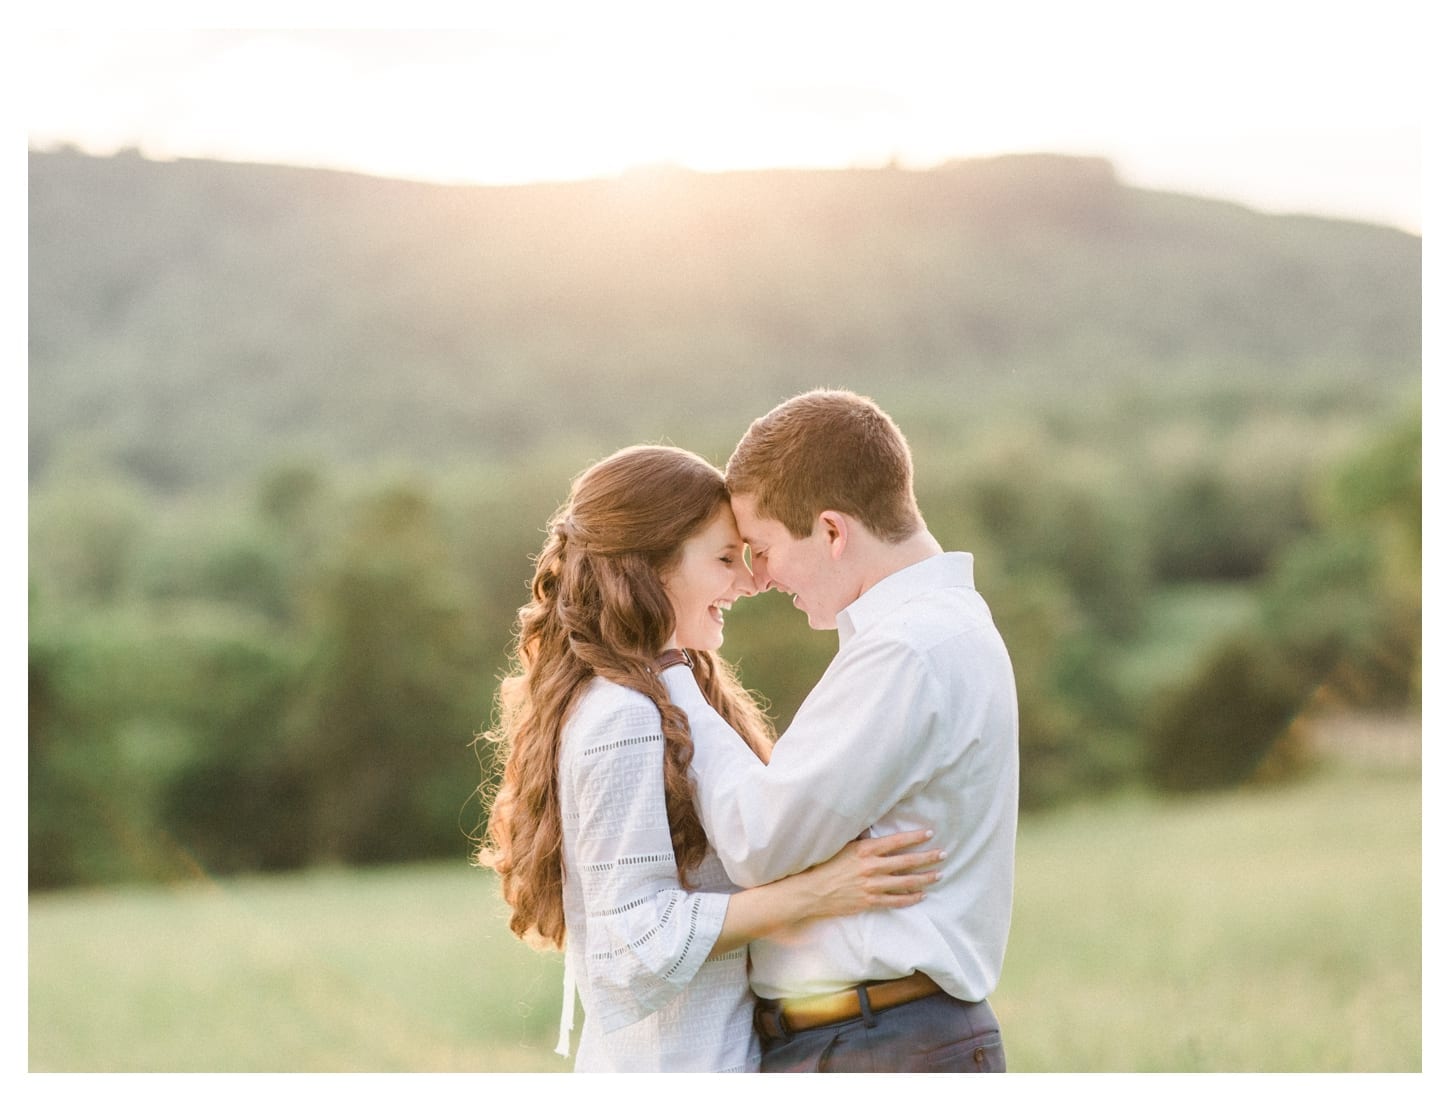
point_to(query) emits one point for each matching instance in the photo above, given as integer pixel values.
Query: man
(913, 725)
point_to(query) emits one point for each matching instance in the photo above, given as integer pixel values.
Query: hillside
(191, 320)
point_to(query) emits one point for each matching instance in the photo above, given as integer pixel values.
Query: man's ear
(836, 526)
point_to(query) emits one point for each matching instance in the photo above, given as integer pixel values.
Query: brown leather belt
(779, 1018)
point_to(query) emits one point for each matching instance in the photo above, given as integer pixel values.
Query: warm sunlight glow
(1232, 105)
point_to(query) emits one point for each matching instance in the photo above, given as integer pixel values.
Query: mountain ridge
(189, 318)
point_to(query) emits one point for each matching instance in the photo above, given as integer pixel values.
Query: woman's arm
(876, 873)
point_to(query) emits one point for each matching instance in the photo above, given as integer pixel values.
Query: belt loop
(770, 1020)
(866, 1014)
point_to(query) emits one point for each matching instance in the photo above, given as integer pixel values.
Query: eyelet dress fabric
(637, 943)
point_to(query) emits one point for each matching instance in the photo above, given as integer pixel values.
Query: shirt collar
(951, 570)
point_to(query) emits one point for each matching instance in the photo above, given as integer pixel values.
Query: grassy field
(1273, 930)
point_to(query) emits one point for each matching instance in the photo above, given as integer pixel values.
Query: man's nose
(745, 582)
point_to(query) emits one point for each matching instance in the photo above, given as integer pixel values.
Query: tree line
(297, 673)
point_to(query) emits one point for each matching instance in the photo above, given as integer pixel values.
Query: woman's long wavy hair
(599, 609)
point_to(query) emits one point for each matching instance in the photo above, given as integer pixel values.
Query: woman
(594, 831)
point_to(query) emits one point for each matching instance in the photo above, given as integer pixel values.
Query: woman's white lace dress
(637, 943)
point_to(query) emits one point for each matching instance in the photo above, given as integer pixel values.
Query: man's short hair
(827, 449)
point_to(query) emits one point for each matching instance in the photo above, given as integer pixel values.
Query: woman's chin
(709, 643)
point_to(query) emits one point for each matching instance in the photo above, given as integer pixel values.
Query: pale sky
(1284, 105)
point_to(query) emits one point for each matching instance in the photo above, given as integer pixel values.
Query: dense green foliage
(1217, 934)
(1339, 619)
(294, 435)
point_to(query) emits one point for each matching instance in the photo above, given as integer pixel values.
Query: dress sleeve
(647, 937)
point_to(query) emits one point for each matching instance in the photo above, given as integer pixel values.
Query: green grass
(1267, 930)
(388, 970)
(1270, 930)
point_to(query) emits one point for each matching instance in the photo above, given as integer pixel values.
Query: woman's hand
(873, 874)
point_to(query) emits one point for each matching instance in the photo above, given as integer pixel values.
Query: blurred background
(322, 323)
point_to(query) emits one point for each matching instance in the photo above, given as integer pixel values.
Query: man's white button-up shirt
(913, 725)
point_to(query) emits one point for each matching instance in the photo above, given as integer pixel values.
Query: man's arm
(862, 740)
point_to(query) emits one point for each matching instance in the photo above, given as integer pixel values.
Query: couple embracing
(836, 899)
